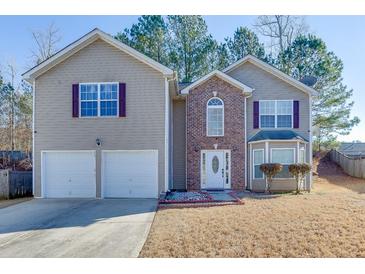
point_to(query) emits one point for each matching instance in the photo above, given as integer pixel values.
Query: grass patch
(328, 222)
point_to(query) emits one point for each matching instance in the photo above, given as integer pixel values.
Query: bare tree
(46, 42)
(15, 111)
(281, 30)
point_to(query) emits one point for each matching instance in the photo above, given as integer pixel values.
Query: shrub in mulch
(186, 197)
(195, 199)
(270, 170)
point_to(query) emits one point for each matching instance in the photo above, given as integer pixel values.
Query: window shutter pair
(256, 114)
(122, 100)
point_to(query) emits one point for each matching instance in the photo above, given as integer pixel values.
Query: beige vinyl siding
(179, 145)
(142, 129)
(270, 87)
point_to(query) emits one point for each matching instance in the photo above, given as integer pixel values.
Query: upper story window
(276, 114)
(99, 100)
(215, 117)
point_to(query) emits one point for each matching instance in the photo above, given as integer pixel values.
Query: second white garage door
(130, 174)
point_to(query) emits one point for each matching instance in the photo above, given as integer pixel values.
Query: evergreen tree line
(184, 44)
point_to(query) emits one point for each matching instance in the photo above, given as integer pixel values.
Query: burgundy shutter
(75, 100)
(256, 114)
(296, 114)
(122, 100)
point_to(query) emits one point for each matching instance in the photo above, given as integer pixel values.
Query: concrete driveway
(76, 227)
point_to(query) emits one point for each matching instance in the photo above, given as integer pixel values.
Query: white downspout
(267, 160)
(167, 102)
(247, 165)
(245, 123)
(33, 129)
(310, 142)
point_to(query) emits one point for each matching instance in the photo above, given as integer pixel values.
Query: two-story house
(111, 122)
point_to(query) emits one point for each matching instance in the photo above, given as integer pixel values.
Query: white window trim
(253, 163)
(206, 120)
(294, 159)
(304, 159)
(276, 113)
(99, 100)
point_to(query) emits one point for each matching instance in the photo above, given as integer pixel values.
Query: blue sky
(344, 35)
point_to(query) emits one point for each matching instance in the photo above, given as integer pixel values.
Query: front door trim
(203, 176)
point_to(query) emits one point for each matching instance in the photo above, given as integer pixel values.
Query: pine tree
(309, 56)
(148, 36)
(244, 42)
(189, 46)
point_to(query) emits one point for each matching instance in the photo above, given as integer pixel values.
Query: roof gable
(86, 40)
(245, 89)
(274, 71)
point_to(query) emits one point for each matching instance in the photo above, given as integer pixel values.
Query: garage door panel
(130, 174)
(69, 174)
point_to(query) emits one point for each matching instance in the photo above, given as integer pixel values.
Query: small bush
(299, 171)
(270, 170)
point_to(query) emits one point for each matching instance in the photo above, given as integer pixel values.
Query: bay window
(258, 159)
(302, 155)
(284, 156)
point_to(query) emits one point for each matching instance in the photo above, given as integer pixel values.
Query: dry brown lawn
(328, 222)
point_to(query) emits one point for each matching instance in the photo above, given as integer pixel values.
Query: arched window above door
(215, 117)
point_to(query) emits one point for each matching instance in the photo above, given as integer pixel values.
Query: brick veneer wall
(233, 138)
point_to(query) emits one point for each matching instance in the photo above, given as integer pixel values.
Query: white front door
(215, 169)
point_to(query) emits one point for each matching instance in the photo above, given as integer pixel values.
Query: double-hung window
(267, 114)
(89, 100)
(215, 117)
(99, 100)
(276, 114)
(302, 155)
(284, 156)
(284, 114)
(258, 159)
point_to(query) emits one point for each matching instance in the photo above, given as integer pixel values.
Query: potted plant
(270, 170)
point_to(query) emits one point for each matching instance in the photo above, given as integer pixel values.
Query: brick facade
(233, 138)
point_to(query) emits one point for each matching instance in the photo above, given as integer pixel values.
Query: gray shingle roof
(276, 135)
(183, 85)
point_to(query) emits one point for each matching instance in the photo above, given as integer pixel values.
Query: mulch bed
(195, 199)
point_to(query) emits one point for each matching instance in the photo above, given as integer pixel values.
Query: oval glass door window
(215, 164)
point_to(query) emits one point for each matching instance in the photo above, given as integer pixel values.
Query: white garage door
(67, 174)
(130, 174)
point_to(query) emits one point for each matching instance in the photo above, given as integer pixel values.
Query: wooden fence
(15, 155)
(353, 166)
(15, 184)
